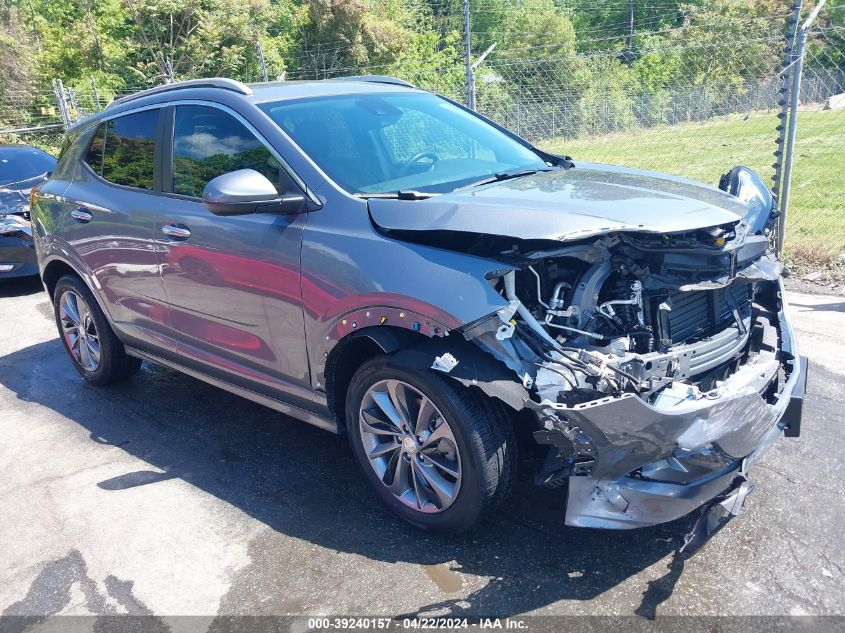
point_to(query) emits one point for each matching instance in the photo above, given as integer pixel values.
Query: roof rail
(376, 79)
(213, 82)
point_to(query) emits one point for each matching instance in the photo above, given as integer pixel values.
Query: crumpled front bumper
(625, 434)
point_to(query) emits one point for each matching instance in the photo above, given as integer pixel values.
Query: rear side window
(123, 150)
(208, 142)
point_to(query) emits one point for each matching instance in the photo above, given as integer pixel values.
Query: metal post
(74, 105)
(260, 49)
(94, 93)
(61, 102)
(473, 67)
(169, 76)
(795, 98)
(783, 102)
(470, 78)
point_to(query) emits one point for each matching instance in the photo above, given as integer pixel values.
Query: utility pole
(629, 36)
(470, 79)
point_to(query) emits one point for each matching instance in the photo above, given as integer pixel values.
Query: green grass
(704, 151)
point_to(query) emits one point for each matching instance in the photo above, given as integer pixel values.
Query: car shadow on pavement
(304, 482)
(802, 303)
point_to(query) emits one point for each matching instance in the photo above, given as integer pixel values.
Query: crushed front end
(659, 367)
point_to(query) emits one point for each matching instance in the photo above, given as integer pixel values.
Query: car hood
(586, 200)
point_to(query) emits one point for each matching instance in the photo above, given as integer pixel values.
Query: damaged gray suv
(382, 262)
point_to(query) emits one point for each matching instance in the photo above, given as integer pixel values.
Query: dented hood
(586, 200)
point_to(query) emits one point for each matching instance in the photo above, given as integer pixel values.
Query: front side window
(381, 143)
(208, 142)
(123, 150)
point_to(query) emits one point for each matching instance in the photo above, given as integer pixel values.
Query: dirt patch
(813, 286)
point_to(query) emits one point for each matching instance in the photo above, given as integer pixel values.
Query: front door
(232, 283)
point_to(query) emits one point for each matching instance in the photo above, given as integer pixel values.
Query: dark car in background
(21, 168)
(382, 262)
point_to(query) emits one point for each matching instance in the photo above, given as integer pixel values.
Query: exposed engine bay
(659, 316)
(659, 359)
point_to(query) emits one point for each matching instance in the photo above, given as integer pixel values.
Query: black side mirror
(246, 191)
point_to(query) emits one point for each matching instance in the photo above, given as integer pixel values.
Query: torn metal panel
(594, 500)
(628, 432)
(473, 368)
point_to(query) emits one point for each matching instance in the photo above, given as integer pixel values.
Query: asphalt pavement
(167, 496)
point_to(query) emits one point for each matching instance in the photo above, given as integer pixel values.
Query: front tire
(437, 455)
(93, 348)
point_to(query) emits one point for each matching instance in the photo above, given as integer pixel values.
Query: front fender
(354, 277)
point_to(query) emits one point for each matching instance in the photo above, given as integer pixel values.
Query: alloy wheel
(410, 446)
(79, 330)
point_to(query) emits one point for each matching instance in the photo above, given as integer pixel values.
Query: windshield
(21, 163)
(381, 143)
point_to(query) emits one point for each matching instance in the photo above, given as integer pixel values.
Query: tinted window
(21, 163)
(208, 142)
(129, 150)
(372, 143)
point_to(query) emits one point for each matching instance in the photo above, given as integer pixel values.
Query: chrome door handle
(81, 215)
(176, 231)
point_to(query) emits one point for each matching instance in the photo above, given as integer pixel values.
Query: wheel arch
(476, 369)
(352, 351)
(54, 270)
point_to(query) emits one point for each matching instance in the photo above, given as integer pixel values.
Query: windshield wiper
(404, 194)
(504, 175)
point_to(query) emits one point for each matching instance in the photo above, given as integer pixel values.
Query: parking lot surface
(168, 496)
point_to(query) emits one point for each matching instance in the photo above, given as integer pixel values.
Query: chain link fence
(695, 121)
(815, 234)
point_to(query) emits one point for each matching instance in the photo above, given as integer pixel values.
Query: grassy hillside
(704, 151)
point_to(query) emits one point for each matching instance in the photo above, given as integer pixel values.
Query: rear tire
(93, 348)
(452, 476)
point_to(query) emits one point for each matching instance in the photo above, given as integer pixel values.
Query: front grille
(699, 313)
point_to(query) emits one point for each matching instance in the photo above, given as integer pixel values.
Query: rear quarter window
(94, 155)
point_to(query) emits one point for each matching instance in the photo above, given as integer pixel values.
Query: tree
(16, 64)
(344, 35)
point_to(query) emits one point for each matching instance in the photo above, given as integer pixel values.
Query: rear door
(108, 221)
(232, 283)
